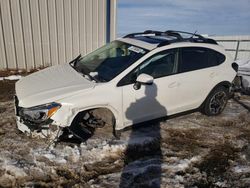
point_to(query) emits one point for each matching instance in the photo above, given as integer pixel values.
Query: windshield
(107, 62)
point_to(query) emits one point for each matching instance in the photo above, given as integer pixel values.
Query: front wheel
(216, 102)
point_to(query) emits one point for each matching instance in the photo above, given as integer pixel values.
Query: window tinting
(212, 58)
(215, 58)
(220, 58)
(194, 58)
(159, 65)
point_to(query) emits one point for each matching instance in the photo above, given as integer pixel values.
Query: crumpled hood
(50, 85)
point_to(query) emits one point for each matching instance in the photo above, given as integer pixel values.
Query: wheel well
(105, 114)
(102, 113)
(87, 122)
(225, 84)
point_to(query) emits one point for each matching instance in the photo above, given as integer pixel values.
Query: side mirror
(143, 79)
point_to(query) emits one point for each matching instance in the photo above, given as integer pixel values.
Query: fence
(237, 46)
(37, 33)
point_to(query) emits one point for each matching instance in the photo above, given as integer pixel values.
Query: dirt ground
(188, 151)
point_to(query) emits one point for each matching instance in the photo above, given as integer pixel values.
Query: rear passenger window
(220, 58)
(212, 58)
(195, 58)
(215, 58)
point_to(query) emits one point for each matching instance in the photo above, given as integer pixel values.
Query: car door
(151, 101)
(198, 74)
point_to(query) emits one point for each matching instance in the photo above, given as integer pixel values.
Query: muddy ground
(187, 151)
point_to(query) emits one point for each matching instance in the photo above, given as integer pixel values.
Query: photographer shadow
(143, 155)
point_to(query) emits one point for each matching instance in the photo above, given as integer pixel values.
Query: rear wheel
(216, 101)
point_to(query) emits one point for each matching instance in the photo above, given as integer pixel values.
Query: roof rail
(205, 40)
(155, 33)
(172, 33)
(184, 32)
(145, 33)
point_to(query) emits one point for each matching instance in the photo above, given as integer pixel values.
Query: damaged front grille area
(35, 126)
(30, 124)
(45, 129)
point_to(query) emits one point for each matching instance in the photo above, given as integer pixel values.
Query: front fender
(65, 116)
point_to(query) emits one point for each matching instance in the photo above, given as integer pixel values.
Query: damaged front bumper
(43, 130)
(50, 131)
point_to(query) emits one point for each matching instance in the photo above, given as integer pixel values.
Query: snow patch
(59, 156)
(12, 170)
(99, 150)
(15, 171)
(241, 169)
(12, 77)
(86, 152)
(180, 164)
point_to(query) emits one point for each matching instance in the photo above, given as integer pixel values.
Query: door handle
(173, 84)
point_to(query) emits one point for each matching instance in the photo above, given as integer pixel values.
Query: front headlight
(40, 113)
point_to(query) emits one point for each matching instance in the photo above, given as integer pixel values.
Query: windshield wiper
(85, 72)
(74, 61)
(81, 69)
(91, 77)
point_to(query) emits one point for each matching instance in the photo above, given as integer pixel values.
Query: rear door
(198, 74)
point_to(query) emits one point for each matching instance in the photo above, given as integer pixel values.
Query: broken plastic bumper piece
(44, 129)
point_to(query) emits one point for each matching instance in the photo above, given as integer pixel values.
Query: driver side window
(159, 65)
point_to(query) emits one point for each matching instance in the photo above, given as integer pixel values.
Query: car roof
(139, 43)
(152, 39)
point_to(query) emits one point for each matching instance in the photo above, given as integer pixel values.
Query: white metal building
(39, 33)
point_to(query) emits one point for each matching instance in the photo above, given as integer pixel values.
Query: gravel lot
(187, 151)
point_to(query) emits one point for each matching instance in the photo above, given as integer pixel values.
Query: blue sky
(213, 17)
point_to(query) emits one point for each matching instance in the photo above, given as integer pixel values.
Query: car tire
(216, 101)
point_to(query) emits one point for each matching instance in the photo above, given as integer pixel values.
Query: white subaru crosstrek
(140, 77)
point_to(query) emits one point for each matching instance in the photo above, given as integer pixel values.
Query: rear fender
(225, 84)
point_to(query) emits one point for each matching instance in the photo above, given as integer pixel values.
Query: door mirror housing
(143, 79)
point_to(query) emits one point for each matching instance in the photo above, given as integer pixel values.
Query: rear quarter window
(220, 58)
(215, 58)
(195, 58)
